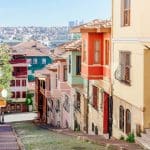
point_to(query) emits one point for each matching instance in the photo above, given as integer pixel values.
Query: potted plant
(29, 101)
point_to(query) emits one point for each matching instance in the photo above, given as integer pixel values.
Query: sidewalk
(8, 139)
(112, 144)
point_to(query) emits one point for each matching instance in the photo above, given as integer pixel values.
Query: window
(65, 73)
(66, 104)
(69, 64)
(57, 107)
(84, 50)
(23, 94)
(125, 66)
(17, 82)
(95, 97)
(43, 61)
(121, 118)
(107, 50)
(12, 83)
(128, 121)
(34, 61)
(78, 65)
(125, 12)
(93, 127)
(17, 94)
(13, 95)
(58, 72)
(23, 82)
(56, 80)
(78, 100)
(97, 51)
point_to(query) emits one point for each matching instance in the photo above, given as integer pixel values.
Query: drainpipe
(87, 123)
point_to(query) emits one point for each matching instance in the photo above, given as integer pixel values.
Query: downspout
(87, 105)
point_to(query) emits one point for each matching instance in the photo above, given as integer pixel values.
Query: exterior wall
(91, 70)
(80, 116)
(146, 89)
(74, 79)
(136, 116)
(19, 64)
(139, 23)
(19, 89)
(38, 66)
(96, 116)
(132, 38)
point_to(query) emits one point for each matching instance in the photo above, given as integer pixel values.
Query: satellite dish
(4, 93)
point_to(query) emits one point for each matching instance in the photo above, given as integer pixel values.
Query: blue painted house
(37, 56)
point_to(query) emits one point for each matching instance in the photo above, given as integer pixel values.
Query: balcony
(16, 61)
(94, 72)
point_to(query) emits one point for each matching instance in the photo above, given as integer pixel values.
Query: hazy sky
(51, 12)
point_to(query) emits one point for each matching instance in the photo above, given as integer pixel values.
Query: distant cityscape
(49, 36)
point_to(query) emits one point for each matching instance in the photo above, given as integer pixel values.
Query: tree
(5, 67)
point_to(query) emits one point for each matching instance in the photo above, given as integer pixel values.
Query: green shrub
(131, 138)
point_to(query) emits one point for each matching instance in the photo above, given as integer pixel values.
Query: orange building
(96, 71)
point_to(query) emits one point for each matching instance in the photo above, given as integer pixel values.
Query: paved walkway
(16, 117)
(111, 144)
(8, 139)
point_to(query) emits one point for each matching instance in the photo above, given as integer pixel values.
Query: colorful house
(95, 69)
(18, 85)
(75, 82)
(37, 56)
(131, 59)
(42, 93)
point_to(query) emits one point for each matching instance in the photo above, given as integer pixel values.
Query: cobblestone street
(36, 138)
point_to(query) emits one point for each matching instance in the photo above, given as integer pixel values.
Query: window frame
(125, 13)
(125, 66)
(34, 62)
(65, 73)
(107, 52)
(78, 65)
(97, 51)
(95, 98)
(121, 118)
(43, 61)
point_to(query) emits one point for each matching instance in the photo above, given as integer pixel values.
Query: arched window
(128, 121)
(121, 118)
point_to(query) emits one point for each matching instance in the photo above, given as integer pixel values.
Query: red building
(96, 70)
(18, 84)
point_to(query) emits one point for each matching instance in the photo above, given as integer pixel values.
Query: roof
(74, 46)
(31, 48)
(93, 26)
(42, 72)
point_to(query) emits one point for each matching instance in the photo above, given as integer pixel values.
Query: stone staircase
(144, 140)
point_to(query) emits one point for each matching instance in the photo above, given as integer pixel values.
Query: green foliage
(5, 67)
(131, 138)
(29, 100)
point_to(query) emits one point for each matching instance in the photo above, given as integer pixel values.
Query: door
(128, 121)
(105, 113)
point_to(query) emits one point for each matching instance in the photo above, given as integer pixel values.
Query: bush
(29, 100)
(131, 138)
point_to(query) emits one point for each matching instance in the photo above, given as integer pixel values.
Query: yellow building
(131, 61)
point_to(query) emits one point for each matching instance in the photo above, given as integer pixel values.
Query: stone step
(9, 146)
(143, 142)
(145, 135)
(147, 131)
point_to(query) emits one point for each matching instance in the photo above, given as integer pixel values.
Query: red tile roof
(31, 48)
(95, 24)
